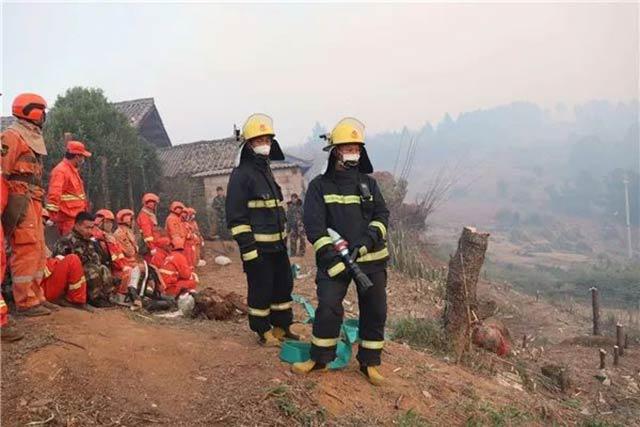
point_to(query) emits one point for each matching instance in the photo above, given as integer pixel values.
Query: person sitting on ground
(176, 272)
(125, 269)
(63, 281)
(125, 236)
(80, 241)
(198, 240)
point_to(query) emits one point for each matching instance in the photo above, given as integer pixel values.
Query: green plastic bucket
(298, 351)
(350, 328)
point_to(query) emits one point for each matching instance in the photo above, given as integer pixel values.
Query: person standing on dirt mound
(257, 220)
(66, 197)
(347, 200)
(23, 149)
(148, 225)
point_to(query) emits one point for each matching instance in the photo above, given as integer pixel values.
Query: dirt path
(114, 367)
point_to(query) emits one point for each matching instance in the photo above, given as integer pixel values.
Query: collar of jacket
(70, 165)
(343, 176)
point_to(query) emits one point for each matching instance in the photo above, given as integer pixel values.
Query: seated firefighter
(63, 280)
(80, 242)
(124, 269)
(176, 272)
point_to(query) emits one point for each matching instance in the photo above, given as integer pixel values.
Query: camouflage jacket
(294, 217)
(87, 249)
(218, 206)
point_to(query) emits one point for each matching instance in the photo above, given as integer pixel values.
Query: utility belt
(20, 195)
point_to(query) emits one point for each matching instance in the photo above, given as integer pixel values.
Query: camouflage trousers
(100, 283)
(297, 242)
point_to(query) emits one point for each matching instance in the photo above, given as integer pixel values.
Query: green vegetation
(410, 419)
(487, 415)
(618, 283)
(132, 167)
(287, 405)
(420, 333)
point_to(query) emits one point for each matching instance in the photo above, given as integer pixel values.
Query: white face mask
(262, 150)
(351, 157)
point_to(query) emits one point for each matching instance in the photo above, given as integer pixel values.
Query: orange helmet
(106, 214)
(150, 197)
(122, 214)
(77, 147)
(175, 206)
(29, 106)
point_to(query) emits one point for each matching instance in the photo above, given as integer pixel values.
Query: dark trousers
(269, 296)
(373, 315)
(297, 242)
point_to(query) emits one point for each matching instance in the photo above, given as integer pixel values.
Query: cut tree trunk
(461, 300)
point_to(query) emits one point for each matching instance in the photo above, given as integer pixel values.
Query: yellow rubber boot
(284, 334)
(303, 368)
(269, 340)
(373, 375)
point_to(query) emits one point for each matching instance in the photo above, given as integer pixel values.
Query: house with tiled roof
(144, 117)
(208, 165)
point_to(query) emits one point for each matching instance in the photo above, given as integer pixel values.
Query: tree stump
(461, 300)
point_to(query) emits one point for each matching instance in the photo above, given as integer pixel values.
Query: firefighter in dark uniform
(256, 218)
(349, 201)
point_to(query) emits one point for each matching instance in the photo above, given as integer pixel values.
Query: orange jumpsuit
(126, 239)
(191, 243)
(158, 258)
(22, 168)
(177, 273)
(66, 197)
(178, 231)
(120, 264)
(64, 276)
(198, 241)
(148, 224)
(4, 194)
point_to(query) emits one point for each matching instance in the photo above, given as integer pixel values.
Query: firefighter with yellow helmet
(256, 218)
(346, 199)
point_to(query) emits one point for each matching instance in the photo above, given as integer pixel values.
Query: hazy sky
(209, 66)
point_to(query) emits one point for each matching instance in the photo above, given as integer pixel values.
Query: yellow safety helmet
(347, 131)
(257, 125)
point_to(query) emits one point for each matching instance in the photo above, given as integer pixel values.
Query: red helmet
(150, 197)
(77, 147)
(106, 214)
(175, 206)
(122, 214)
(29, 106)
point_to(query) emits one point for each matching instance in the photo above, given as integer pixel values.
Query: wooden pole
(131, 205)
(616, 355)
(603, 354)
(524, 341)
(595, 303)
(537, 295)
(620, 338)
(106, 199)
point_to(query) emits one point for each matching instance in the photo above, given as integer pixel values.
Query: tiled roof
(135, 110)
(205, 158)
